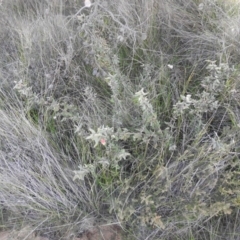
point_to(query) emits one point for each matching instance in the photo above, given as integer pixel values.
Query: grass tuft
(121, 113)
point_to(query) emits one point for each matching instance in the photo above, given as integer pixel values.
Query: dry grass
(123, 113)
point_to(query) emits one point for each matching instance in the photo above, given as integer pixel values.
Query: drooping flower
(103, 141)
